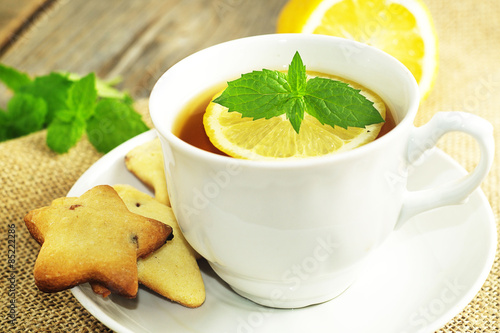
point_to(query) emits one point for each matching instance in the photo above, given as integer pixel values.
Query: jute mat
(31, 176)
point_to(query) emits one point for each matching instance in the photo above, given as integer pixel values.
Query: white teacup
(294, 233)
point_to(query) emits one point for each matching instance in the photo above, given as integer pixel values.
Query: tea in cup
(286, 232)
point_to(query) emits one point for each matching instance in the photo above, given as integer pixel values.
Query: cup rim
(406, 121)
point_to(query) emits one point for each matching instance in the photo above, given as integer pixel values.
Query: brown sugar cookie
(92, 238)
(172, 270)
(146, 163)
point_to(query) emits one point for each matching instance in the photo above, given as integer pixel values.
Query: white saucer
(422, 276)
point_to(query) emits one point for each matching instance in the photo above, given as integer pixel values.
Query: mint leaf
(64, 133)
(105, 89)
(82, 96)
(259, 94)
(66, 115)
(26, 114)
(64, 103)
(68, 125)
(297, 75)
(267, 94)
(113, 122)
(297, 78)
(52, 88)
(336, 103)
(295, 112)
(4, 126)
(13, 78)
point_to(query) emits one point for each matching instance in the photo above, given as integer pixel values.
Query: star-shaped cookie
(92, 238)
(146, 163)
(171, 270)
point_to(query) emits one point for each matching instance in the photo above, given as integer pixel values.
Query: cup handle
(425, 137)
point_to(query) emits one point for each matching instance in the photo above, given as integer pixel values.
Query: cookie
(172, 271)
(92, 238)
(146, 163)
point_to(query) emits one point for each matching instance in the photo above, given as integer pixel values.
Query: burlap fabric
(31, 176)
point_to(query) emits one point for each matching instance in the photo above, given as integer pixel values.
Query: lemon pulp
(402, 28)
(275, 138)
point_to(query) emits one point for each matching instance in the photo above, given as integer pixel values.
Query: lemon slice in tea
(275, 138)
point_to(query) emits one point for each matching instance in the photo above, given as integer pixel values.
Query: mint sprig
(270, 93)
(68, 105)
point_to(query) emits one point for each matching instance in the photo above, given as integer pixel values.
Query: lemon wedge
(275, 138)
(401, 28)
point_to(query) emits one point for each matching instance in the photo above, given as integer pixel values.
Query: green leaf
(297, 75)
(62, 134)
(336, 103)
(13, 78)
(113, 123)
(64, 102)
(53, 88)
(295, 112)
(69, 124)
(4, 126)
(82, 96)
(64, 95)
(66, 115)
(267, 94)
(104, 88)
(26, 114)
(259, 94)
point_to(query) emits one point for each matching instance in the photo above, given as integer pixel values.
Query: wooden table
(138, 40)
